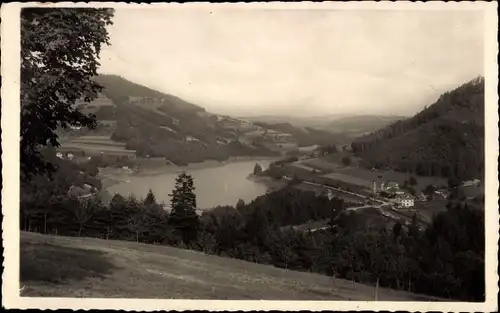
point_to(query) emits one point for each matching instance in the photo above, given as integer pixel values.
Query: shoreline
(172, 168)
(114, 176)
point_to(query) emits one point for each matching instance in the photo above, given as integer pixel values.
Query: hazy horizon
(297, 62)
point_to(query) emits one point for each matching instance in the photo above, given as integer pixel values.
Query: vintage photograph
(253, 152)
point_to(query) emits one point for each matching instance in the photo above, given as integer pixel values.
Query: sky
(297, 62)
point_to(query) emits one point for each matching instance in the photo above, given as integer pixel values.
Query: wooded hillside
(445, 139)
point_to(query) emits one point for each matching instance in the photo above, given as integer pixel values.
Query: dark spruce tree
(257, 169)
(183, 216)
(150, 198)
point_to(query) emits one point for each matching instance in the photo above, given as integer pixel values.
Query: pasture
(364, 177)
(94, 145)
(52, 266)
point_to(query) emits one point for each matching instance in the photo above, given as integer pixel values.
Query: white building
(405, 201)
(329, 194)
(59, 155)
(70, 156)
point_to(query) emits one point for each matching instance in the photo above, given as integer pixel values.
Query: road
(385, 208)
(381, 203)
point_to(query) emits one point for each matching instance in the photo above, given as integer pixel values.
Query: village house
(59, 155)
(81, 193)
(70, 156)
(392, 185)
(471, 182)
(405, 201)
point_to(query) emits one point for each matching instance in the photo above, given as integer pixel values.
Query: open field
(350, 179)
(473, 191)
(363, 177)
(322, 165)
(426, 210)
(94, 145)
(347, 197)
(87, 267)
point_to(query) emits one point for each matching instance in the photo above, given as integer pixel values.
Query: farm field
(350, 179)
(95, 145)
(343, 195)
(364, 177)
(427, 210)
(88, 267)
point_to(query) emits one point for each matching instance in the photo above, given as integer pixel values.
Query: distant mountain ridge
(347, 124)
(445, 139)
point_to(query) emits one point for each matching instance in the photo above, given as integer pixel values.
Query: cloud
(297, 61)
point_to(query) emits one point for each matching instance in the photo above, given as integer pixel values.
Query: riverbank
(118, 175)
(271, 183)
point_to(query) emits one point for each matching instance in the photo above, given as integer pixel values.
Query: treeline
(445, 260)
(445, 139)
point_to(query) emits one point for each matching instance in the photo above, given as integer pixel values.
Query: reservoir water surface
(221, 184)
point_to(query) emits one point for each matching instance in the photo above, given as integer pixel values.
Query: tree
(413, 181)
(396, 229)
(453, 182)
(60, 50)
(429, 190)
(346, 160)
(84, 212)
(295, 180)
(150, 198)
(138, 223)
(183, 216)
(240, 204)
(257, 169)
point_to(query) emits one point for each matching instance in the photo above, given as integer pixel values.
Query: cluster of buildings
(392, 191)
(67, 156)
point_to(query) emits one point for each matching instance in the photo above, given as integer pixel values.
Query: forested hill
(446, 138)
(120, 90)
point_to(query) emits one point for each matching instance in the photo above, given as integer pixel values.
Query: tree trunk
(409, 283)
(376, 289)
(80, 230)
(44, 223)
(137, 236)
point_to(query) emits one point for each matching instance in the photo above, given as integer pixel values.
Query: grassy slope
(88, 267)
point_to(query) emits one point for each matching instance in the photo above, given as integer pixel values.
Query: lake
(215, 185)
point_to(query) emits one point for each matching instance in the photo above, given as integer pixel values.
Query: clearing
(94, 145)
(88, 267)
(364, 177)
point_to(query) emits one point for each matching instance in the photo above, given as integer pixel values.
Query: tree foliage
(446, 139)
(445, 260)
(59, 57)
(257, 169)
(346, 161)
(183, 215)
